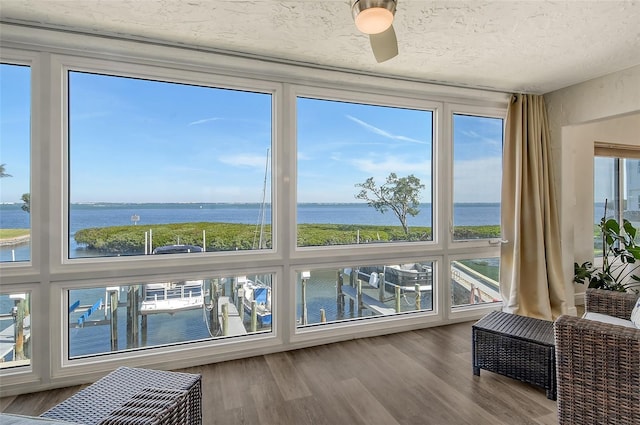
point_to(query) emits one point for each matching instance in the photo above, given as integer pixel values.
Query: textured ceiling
(531, 46)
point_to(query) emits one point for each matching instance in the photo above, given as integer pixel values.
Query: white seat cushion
(599, 317)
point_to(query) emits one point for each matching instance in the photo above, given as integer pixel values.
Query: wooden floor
(417, 377)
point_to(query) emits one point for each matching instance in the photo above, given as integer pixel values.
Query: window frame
(78, 273)
(364, 251)
(480, 112)
(31, 60)
(50, 275)
(64, 65)
(28, 276)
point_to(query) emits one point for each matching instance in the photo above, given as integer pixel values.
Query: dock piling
(397, 299)
(20, 306)
(132, 316)
(225, 319)
(304, 301)
(113, 310)
(359, 293)
(339, 294)
(240, 305)
(214, 289)
(254, 316)
(418, 296)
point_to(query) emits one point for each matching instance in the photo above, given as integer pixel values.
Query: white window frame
(63, 65)
(28, 276)
(31, 60)
(364, 251)
(50, 273)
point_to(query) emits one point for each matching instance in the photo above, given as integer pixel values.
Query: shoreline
(18, 240)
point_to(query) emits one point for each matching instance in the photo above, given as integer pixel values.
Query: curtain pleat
(531, 281)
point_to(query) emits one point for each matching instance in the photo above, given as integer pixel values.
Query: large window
(15, 174)
(155, 164)
(364, 173)
(475, 281)
(477, 176)
(477, 183)
(15, 329)
(187, 213)
(616, 186)
(165, 312)
(346, 293)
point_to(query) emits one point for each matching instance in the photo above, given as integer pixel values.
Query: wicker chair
(598, 364)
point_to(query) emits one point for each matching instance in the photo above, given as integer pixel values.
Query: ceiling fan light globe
(374, 20)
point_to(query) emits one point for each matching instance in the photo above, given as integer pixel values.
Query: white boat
(405, 276)
(261, 293)
(169, 297)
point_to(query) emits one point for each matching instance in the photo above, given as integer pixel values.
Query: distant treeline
(128, 240)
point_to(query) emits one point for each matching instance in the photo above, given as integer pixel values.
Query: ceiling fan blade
(384, 45)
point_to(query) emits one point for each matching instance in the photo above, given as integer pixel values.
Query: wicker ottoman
(519, 347)
(135, 396)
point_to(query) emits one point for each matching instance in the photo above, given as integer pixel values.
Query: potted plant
(619, 256)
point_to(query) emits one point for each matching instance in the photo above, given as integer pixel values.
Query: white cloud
(302, 156)
(384, 133)
(391, 164)
(487, 140)
(478, 180)
(202, 121)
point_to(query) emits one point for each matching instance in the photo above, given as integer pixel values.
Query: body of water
(84, 216)
(192, 325)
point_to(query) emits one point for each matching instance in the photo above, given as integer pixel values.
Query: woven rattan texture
(125, 388)
(152, 406)
(516, 346)
(598, 364)
(612, 303)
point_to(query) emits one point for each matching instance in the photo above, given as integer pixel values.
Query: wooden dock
(8, 338)
(234, 325)
(367, 301)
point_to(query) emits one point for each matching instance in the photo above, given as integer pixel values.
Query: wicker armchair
(598, 364)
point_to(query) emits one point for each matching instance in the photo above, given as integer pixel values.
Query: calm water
(191, 325)
(101, 215)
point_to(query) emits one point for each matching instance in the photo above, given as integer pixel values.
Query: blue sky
(15, 95)
(145, 141)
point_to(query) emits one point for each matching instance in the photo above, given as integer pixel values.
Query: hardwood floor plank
(367, 407)
(289, 381)
(6, 401)
(418, 377)
(410, 372)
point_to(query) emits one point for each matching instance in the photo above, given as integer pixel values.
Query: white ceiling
(530, 46)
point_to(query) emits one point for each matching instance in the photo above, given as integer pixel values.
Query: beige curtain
(531, 280)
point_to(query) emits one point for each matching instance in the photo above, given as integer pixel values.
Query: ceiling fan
(375, 17)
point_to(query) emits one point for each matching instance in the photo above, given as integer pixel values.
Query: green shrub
(128, 240)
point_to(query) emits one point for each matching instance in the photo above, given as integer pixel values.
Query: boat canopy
(177, 249)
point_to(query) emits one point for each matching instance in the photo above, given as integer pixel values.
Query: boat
(260, 293)
(173, 296)
(170, 297)
(406, 276)
(177, 249)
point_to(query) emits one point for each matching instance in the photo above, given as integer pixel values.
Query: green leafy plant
(619, 256)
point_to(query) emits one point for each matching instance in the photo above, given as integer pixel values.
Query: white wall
(605, 109)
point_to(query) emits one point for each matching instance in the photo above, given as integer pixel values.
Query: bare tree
(399, 194)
